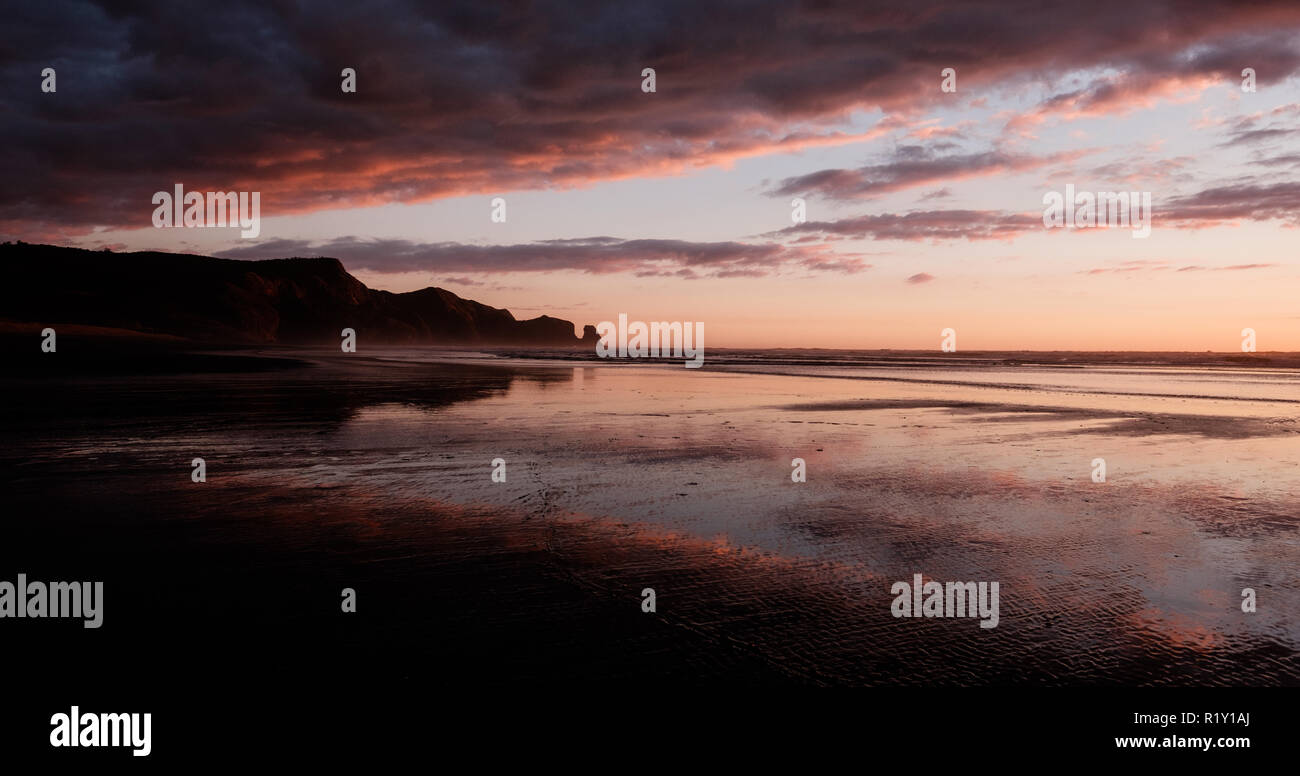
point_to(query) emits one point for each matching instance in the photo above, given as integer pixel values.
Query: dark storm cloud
(481, 97)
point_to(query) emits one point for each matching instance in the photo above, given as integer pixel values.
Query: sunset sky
(924, 208)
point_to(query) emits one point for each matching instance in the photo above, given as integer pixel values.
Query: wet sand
(374, 472)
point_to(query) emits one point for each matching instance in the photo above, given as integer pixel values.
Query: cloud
(464, 97)
(1260, 128)
(1136, 265)
(920, 277)
(922, 225)
(1215, 206)
(1140, 266)
(1116, 95)
(591, 255)
(913, 166)
(1136, 171)
(1243, 200)
(463, 281)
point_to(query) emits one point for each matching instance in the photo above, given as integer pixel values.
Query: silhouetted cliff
(288, 301)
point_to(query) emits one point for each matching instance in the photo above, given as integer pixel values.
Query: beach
(373, 471)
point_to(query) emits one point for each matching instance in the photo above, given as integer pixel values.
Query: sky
(923, 193)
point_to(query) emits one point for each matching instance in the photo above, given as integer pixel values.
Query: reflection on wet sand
(625, 477)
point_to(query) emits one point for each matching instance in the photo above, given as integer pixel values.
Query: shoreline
(373, 473)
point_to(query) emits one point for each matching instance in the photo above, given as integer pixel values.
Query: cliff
(286, 301)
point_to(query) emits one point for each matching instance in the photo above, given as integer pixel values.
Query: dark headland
(201, 299)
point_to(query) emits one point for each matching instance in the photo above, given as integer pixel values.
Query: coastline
(330, 472)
